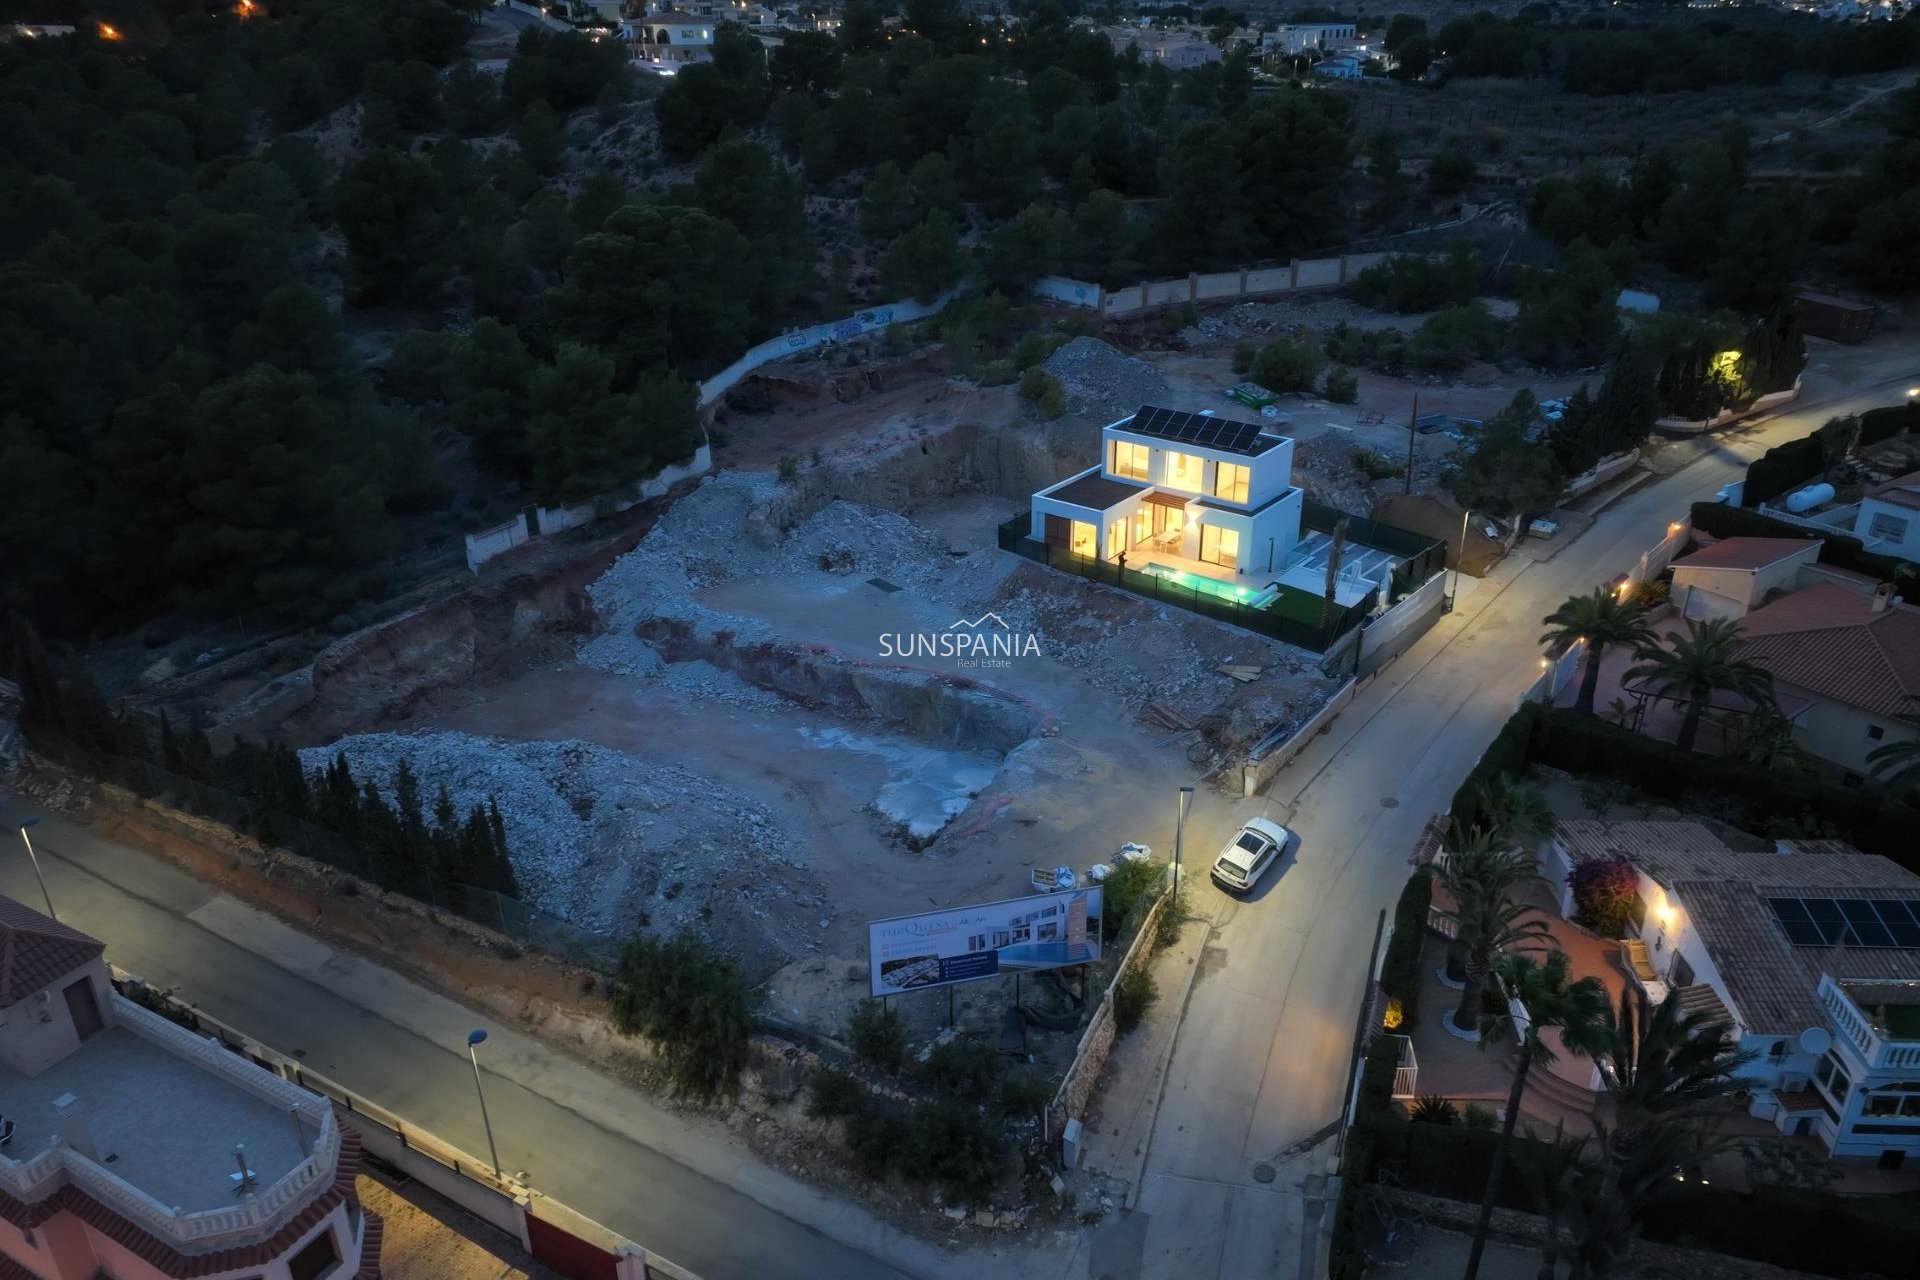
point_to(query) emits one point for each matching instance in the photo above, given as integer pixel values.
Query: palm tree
(1481, 858)
(1667, 1065)
(1602, 620)
(1901, 762)
(1577, 1009)
(1515, 812)
(1696, 665)
(1488, 921)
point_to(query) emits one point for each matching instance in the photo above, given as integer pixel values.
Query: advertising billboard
(937, 948)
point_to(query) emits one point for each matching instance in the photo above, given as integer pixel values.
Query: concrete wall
(1704, 595)
(1386, 637)
(1259, 771)
(788, 344)
(1096, 1042)
(1772, 400)
(488, 543)
(1907, 547)
(1313, 273)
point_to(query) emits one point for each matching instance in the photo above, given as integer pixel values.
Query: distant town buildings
(1175, 50)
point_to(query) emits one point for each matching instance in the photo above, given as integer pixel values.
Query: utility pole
(1411, 420)
(1180, 832)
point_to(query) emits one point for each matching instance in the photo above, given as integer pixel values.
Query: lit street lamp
(474, 1039)
(35, 860)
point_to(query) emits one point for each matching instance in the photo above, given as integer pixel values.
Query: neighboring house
(1307, 37)
(1732, 577)
(1852, 659)
(1180, 486)
(1344, 67)
(1810, 952)
(665, 39)
(1888, 519)
(1176, 50)
(127, 1136)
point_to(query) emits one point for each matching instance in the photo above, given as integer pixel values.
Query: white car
(1249, 855)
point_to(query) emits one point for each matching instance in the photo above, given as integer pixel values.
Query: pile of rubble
(614, 844)
(1103, 382)
(1256, 320)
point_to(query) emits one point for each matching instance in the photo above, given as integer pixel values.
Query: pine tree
(169, 746)
(501, 864)
(380, 839)
(415, 846)
(42, 717)
(445, 840)
(196, 752)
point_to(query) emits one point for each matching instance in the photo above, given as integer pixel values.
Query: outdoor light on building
(108, 33)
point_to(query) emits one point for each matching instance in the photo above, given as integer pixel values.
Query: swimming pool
(1198, 582)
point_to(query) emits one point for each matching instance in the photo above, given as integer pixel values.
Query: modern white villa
(1809, 951)
(1203, 501)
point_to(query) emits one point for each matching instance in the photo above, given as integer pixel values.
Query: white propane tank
(1808, 498)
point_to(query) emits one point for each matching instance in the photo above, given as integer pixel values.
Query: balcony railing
(251, 1220)
(1853, 1026)
(1406, 1076)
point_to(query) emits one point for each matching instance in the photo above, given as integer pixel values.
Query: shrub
(1032, 349)
(877, 1034)
(952, 1143)
(1604, 893)
(1044, 392)
(1023, 1093)
(1166, 927)
(691, 1001)
(965, 1068)
(876, 1137)
(1342, 385)
(994, 373)
(1413, 282)
(1244, 354)
(1399, 971)
(1290, 364)
(833, 1093)
(1133, 995)
(788, 467)
(1478, 1117)
(1375, 466)
(1128, 893)
(1433, 1109)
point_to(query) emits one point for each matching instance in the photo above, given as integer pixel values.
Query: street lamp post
(1460, 556)
(35, 860)
(1180, 831)
(474, 1040)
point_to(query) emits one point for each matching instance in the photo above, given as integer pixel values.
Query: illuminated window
(1219, 546)
(1230, 482)
(1082, 541)
(1184, 471)
(1116, 538)
(1129, 460)
(1142, 524)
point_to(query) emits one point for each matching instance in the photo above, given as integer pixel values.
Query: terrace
(146, 1118)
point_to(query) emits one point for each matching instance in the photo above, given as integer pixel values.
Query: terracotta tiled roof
(1584, 838)
(1745, 553)
(1830, 641)
(1902, 491)
(168, 1260)
(36, 950)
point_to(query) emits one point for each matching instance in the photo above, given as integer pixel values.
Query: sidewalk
(1119, 1123)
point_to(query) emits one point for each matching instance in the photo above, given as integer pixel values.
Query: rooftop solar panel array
(1849, 922)
(1226, 434)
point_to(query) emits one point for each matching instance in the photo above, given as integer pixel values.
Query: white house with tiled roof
(133, 1149)
(1809, 951)
(1848, 663)
(1735, 575)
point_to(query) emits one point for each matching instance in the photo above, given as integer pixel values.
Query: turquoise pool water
(1212, 586)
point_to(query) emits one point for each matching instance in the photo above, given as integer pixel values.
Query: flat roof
(1201, 430)
(158, 1121)
(1094, 492)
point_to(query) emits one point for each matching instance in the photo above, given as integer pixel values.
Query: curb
(1138, 1168)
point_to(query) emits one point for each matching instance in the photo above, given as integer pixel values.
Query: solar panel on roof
(1900, 920)
(1865, 922)
(1229, 435)
(1793, 917)
(1827, 918)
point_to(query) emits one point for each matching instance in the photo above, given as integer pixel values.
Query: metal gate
(568, 1253)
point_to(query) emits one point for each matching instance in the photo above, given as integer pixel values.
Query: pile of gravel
(1101, 379)
(615, 844)
(1257, 320)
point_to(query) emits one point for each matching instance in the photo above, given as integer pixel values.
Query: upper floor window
(320, 1258)
(1184, 471)
(1130, 459)
(1230, 482)
(1884, 525)
(1833, 1076)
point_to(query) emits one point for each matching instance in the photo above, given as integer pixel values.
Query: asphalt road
(1262, 1056)
(1259, 1064)
(701, 1201)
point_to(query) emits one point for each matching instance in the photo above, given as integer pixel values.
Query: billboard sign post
(963, 944)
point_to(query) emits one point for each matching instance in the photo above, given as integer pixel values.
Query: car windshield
(1250, 842)
(1228, 868)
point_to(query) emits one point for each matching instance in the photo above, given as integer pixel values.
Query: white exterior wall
(1272, 533)
(37, 1032)
(1907, 546)
(1709, 593)
(1837, 733)
(1269, 475)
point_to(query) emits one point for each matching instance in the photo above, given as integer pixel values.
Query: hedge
(1783, 467)
(1346, 1259)
(1400, 971)
(1817, 1231)
(1877, 425)
(1509, 752)
(1842, 551)
(1451, 1161)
